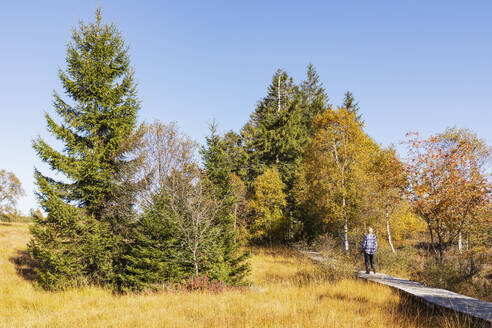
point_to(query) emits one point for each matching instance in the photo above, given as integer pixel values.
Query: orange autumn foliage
(449, 187)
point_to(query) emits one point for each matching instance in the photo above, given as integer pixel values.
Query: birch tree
(333, 168)
(268, 205)
(165, 149)
(388, 179)
(193, 209)
(10, 191)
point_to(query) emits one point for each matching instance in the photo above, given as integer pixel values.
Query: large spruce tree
(280, 127)
(314, 100)
(90, 206)
(274, 135)
(230, 261)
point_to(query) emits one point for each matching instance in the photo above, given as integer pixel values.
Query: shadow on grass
(25, 265)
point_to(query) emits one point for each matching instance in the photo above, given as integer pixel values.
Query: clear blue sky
(412, 65)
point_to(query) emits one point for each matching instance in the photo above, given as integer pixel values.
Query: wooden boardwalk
(437, 297)
(442, 298)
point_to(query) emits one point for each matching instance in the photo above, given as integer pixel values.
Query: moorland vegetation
(143, 208)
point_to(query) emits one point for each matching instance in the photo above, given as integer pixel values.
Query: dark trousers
(369, 258)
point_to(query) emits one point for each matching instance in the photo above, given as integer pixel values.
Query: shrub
(451, 276)
(402, 263)
(338, 265)
(204, 283)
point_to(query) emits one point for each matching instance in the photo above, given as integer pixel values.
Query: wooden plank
(443, 298)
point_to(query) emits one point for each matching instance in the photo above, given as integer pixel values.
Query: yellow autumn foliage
(267, 204)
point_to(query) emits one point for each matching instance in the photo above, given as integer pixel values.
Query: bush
(402, 263)
(339, 265)
(451, 276)
(443, 275)
(204, 283)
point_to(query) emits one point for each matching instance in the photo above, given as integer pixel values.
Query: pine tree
(154, 255)
(236, 153)
(314, 101)
(351, 105)
(215, 160)
(231, 262)
(274, 135)
(279, 130)
(90, 210)
(313, 95)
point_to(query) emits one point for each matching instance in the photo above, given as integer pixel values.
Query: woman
(369, 246)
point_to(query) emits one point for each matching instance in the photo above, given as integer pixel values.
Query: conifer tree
(218, 169)
(188, 226)
(274, 135)
(351, 105)
(89, 211)
(236, 153)
(279, 129)
(178, 237)
(154, 252)
(313, 96)
(215, 160)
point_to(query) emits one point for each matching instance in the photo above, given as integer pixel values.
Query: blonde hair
(370, 230)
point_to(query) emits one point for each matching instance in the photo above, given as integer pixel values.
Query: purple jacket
(369, 244)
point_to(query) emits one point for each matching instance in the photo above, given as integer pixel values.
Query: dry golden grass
(287, 291)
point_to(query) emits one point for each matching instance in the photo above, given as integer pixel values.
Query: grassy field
(287, 291)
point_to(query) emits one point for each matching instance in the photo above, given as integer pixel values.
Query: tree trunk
(433, 246)
(345, 235)
(460, 244)
(441, 248)
(388, 231)
(345, 228)
(195, 262)
(235, 221)
(341, 237)
(278, 96)
(472, 265)
(291, 227)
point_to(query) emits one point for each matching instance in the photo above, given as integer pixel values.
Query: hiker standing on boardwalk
(369, 246)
